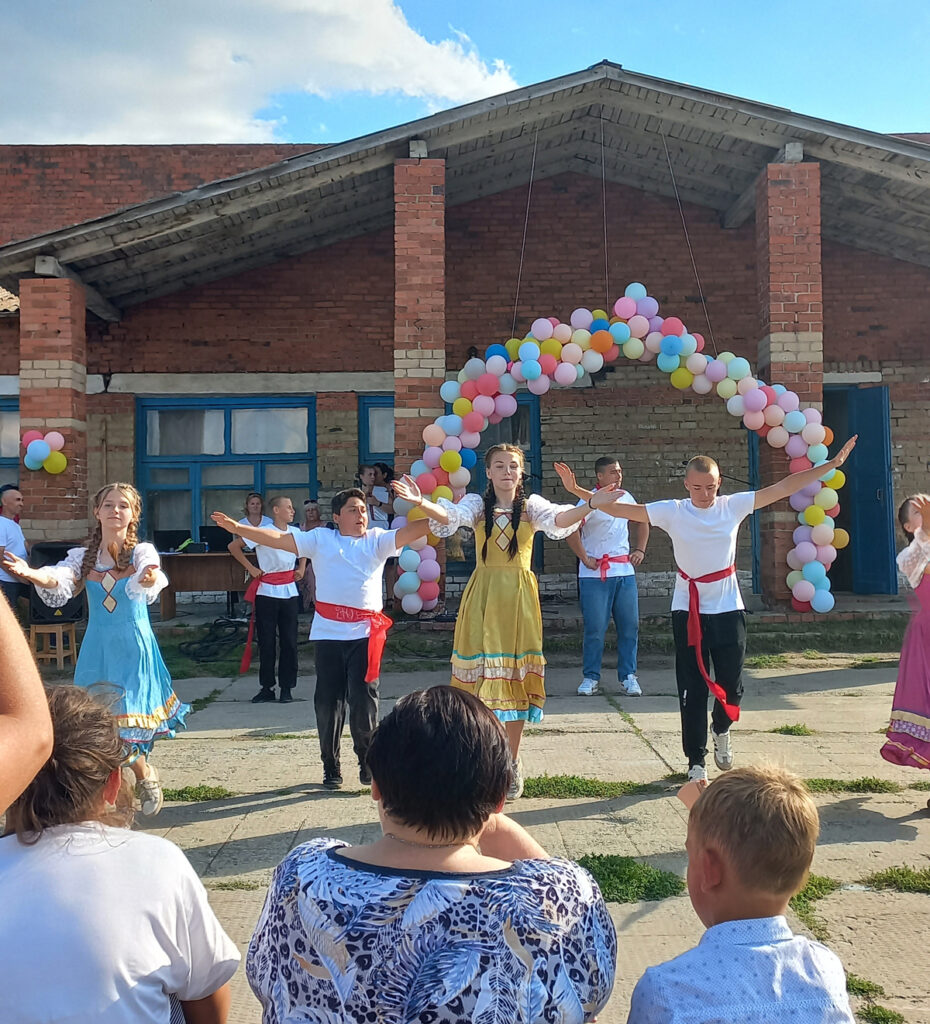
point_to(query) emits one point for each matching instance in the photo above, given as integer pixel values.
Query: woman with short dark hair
(454, 914)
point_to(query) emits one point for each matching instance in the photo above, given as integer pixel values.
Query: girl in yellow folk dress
(497, 649)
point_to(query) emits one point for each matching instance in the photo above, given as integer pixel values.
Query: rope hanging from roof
(526, 221)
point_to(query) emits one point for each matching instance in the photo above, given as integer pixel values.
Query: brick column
(52, 396)
(791, 329)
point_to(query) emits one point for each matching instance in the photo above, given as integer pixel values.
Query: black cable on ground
(221, 638)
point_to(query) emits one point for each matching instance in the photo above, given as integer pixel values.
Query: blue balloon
(635, 291)
(30, 463)
(528, 350)
(779, 389)
(667, 363)
(823, 584)
(688, 344)
(620, 332)
(817, 453)
(469, 459)
(827, 477)
(496, 350)
(418, 468)
(671, 345)
(813, 571)
(450, 390)
(530, 368)
(38, 451)
(408, 583)
(408, 560)
(795, 422)
(822, 601)
(452, 424)
(599, 325)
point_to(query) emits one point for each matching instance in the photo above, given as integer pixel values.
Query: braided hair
(123, 557)
(516, 511)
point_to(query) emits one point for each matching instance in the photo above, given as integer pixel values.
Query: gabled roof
(875, 188)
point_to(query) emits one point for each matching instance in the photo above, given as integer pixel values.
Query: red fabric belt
(377, 637)
(695, 636)
(604, 562)
(274, 579)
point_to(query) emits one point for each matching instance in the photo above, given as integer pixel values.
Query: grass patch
(921, 787)
(625, 880)
(802, 904)
(851, 693)
(862, 987)
(766, 661)
(277, 736)
(676, 777)
(197, 794)
(202, 702)
(872, 661)
(236, 884)
(567, 787)
(902, 879)
(812, 655)
(864, 785)
(798, 729)
(875, 1014)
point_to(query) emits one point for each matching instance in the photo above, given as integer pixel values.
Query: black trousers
(13, 591)
(276, 623)
(723, 648)
(340, 680)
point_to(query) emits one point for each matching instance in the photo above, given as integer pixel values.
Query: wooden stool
(53, 633)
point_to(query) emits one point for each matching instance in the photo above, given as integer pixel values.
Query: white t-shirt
(379, 516)
(105, 925)
(274, 560)
(348, 572)
(603, 534)
(12, 539)
(266, 522)
(704, 541)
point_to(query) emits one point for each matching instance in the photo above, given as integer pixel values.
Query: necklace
(431, 846)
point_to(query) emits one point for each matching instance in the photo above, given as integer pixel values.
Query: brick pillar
(52, 396)
(791, 329)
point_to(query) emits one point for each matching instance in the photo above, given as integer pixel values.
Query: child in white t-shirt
(708, 620)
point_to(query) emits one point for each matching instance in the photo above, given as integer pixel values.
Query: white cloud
(162, 71)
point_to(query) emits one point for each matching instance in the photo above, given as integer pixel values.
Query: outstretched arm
(797, 481)
(16, 566)
(407, 489)
(270, 537)
(612, 506)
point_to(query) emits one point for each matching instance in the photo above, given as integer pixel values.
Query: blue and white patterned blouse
(342, 941)
(755, 971)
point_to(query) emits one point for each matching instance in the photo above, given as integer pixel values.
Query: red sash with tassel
(274, 579)
(605, 560)
(696, 638)
(377, 637)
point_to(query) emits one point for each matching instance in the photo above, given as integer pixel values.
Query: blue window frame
(376, 429)
(9, 440)
(195, 455)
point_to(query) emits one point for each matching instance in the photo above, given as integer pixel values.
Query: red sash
(274, 579)
(695, 636)
(605, 560)
(377, 637)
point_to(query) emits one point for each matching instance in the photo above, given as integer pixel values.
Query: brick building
(205, 320)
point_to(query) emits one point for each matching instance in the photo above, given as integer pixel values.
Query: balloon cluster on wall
(557, 354)
(44, 451)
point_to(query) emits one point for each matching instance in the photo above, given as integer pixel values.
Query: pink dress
(907, 741)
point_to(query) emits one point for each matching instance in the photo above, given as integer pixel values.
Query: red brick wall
(47, 187)
(9, 345)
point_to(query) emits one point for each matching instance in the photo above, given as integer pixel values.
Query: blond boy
(751, 840)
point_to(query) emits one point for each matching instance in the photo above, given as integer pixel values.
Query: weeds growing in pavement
(625, 880)
(197, 794)
(864, 785)
(901, 879)
(567, 787)
(798, 729)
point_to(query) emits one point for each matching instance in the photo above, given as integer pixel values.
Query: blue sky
(172, 71)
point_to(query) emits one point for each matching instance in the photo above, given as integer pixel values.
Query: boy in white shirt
(708, 620)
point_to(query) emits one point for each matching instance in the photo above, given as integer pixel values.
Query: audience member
(103, 924)
(751, 840)
(12, 540)
(456, 913)
(307, 585)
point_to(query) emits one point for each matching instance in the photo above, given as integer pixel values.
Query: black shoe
(285, 697)
(332, 778)
(364, 774)
(263, 696)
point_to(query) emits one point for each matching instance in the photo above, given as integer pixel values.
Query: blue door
(868, 492)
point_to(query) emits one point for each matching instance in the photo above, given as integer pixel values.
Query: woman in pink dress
(908, 738)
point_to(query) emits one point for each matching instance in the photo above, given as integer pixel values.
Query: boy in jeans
(751, 840)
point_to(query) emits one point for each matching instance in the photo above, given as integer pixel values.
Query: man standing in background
(12, 540)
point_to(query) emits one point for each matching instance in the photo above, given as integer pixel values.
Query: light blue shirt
(745, 972)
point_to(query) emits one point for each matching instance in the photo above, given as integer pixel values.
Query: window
(376, 429)
(9, 441)
(197, 456)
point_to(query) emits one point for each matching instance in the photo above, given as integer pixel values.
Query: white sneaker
(149, 793)
(589, 687)
(516, 780)
(723, 750)
(697, 773)
(631, 686)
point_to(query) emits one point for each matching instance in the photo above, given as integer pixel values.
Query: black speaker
(48, 552)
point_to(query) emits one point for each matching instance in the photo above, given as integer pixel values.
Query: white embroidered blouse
(68, 574)
(470, 511)
(915, 558)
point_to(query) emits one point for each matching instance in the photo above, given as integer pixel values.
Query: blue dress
(119, 648)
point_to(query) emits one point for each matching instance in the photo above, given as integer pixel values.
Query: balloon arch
(555, 354)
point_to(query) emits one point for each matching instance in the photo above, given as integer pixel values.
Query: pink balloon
(453, 443)
(812, 415)
(428, 606)
(565, 375)
(541, 329)
(699, 338)
(702, 386)
(555, 321)
(826, 553)
(672, 325)
(801, 533)
(648, 356)
(427, 484)
(803, 590)
(428, 570)
(754, 401)
(789, 401)
(796, 447)
(485, 405)
(54, 440)
(794, 562)
(548, 363)
(581, 318)
(495, 418)
(517, 373)
(563, 333)
(473, 421)
(813, 433)
(625, 308)
(821, 535)
(428, 590)
(432, 455)
(506, 405)
(746, 384)
(469, 438)
(716, 371)
(488, 383)
(496, 365)
(777, 437)
(433, 435)
(653, 342)
(775, 416)
(754, 421)
(457, 494)
(30, 436)
(639, 326)
(806, 552)
(540, 385)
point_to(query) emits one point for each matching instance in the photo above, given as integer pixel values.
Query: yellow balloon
(461, 407)
(55, 463)
(432, 539)
(837, 480)
(441, 492)
(726, 388)
(826, 497)
(415, 513)
(551, 347)
(840, 539)
(582, 338)
(513, 347)
(814, 515)
(681, 378)
(599, 314)
(450, 462)
(633, 348)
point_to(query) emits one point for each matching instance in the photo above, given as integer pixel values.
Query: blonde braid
(132, 538)
(90, 554)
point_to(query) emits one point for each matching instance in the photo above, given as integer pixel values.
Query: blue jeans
(617, 598)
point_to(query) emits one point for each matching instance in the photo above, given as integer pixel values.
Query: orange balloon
(601, 341)
(828, 440)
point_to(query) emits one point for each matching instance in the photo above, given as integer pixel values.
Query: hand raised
(407, 489)
(567, 476)
(922, 508)
(223, 520)
(843, 454)
(15, 566)
(148, 576)
(606, 496)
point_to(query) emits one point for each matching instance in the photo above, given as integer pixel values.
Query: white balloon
(592, 361)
